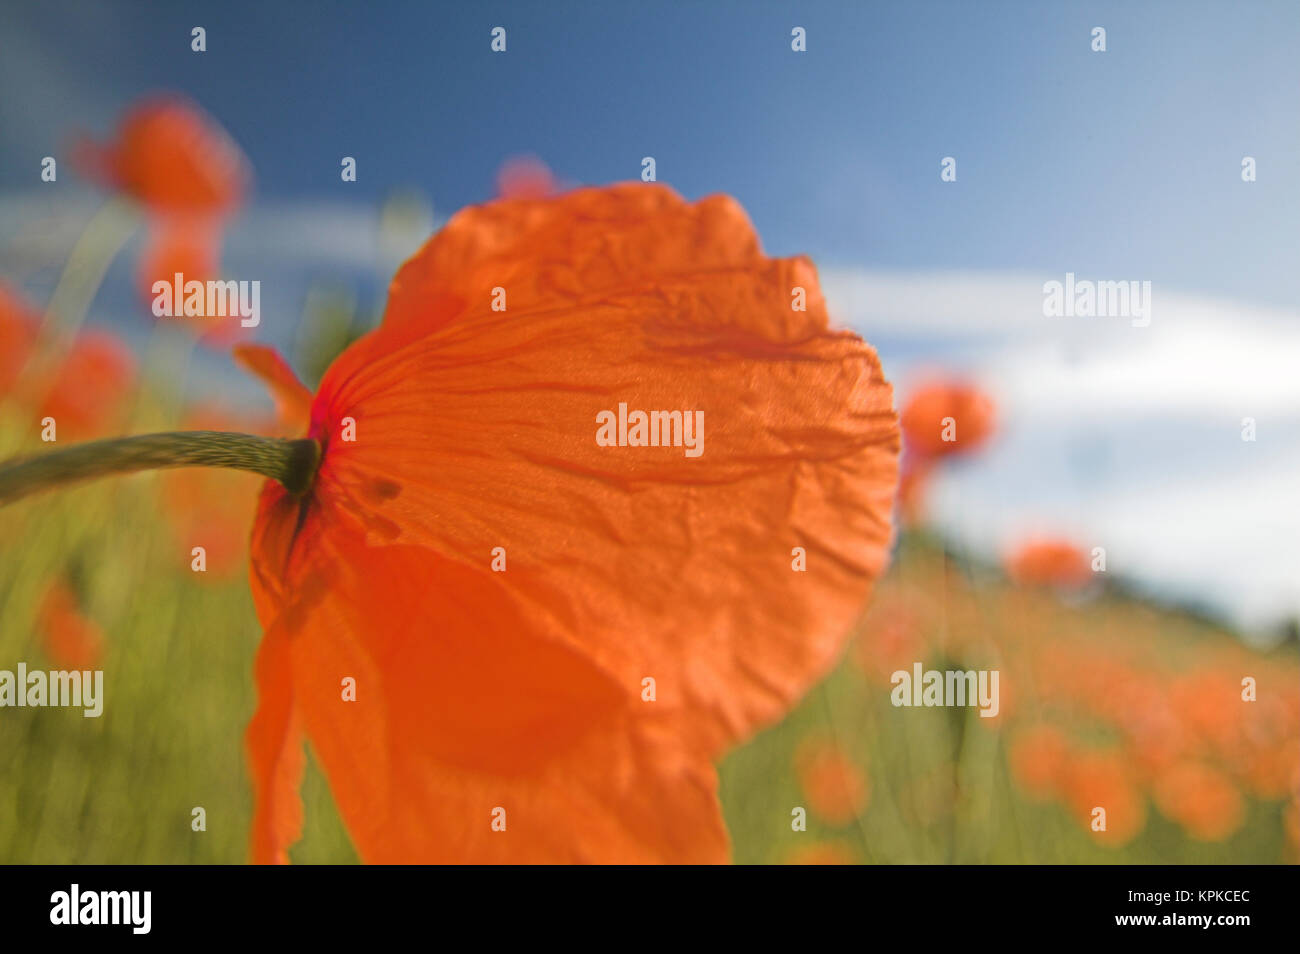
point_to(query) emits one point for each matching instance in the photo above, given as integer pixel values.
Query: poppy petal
(275, 748)
(292, 399)
(443, 731)
(652, 564)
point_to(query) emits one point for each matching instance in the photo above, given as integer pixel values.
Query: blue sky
(1117, 165)
(1123, 162)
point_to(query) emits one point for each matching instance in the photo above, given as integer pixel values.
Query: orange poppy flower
(1208, 702)
(85, 391)
(88, 394)
(171, 157)
(833, 784)
(19, 327)
(1049, 563)
(525, 177)
(508, 640)
(1102, 780)
(946, 418)
(71, 639)
(1201, 799)
(190, 248)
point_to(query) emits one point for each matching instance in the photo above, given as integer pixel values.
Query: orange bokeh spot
(1201, 799)
(834, 785)
(1103, 780)
(1049, 563)
(70, 638)
(946, 418)
(171, 157)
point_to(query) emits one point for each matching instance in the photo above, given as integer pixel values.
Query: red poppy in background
(70, 638)
(1049, 563)
(1103, 779)
(89, 392)
(189, 175)
(171, 157)
(835, 787)
(85, 390)
(551, 640)
(525, 177)
(945, 418)
(190, 248)
(942, 419)
(1201, 799)
(19, 329)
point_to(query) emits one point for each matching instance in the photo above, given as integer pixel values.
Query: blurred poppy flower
(946, 418)
(834, 786)
(1049, 563)
(71, 639)
(1201, 799)
(1102, 780)
(87, 396)
(190, 176)
(190, 248)
(505, 712)
(1158, 739)
(1208, 702)
(19, 328)
(525, 177)
(171, 157)
(84, 390)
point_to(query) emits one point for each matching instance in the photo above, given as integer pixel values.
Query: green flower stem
(292, 462)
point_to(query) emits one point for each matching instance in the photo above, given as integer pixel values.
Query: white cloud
(1121, 436)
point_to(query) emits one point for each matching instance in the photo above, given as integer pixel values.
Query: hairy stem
(292, 462)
